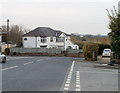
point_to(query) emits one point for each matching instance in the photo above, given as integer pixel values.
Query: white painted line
(77, 81)
(77, 89)
(77, 78)
(104, 64)
(39, 60)
(28, 63)
(78, 86)
(67, 84)
(66, 88)
(68, 79)
(9, 68)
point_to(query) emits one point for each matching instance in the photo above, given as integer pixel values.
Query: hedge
(90, 51)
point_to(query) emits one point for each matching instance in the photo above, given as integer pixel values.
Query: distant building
(48, 38)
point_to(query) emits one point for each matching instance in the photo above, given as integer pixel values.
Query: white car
(2, 58)
(106, 53)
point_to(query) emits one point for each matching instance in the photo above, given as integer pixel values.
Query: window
(51, 39)
(59, 39)
(60, 47)
(43, 39)
(25, 38)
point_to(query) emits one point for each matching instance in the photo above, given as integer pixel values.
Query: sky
(70, 16)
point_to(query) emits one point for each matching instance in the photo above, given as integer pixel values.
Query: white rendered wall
(30, 42)
(68, 43)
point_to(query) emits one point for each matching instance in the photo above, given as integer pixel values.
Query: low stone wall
(45, 52)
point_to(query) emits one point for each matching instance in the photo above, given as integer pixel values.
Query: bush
(7, 51)
(90, 51)
(80, 45)
(102, 47)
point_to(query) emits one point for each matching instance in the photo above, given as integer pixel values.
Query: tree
(114, 26)
(90, 51)
(15, 34)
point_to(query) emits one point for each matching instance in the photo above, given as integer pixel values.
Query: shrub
(90, 51)
(7, 51)
(80, 45)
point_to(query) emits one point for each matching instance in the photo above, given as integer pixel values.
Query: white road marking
(28, 63)
(77, 78)
(77, 89)
(77, 81)
(78, 86)
(66, 88)
(16, 58)
(9, 68)
(39, 60)
(67, 84)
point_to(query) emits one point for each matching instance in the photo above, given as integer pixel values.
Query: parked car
(2, 58)
(106, 53)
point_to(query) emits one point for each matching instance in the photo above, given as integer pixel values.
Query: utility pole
(119, 7)
(7, 32)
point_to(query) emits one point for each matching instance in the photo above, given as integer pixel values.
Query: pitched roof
(44, 32)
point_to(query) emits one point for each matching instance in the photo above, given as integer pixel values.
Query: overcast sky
(71, 16)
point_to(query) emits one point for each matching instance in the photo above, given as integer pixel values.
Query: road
(56, 74)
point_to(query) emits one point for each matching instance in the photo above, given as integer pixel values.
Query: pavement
(104, 61)
(56, 74)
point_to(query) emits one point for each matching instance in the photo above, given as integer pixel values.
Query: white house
(48, 38)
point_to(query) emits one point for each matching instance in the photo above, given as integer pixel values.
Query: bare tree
(15, 34)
